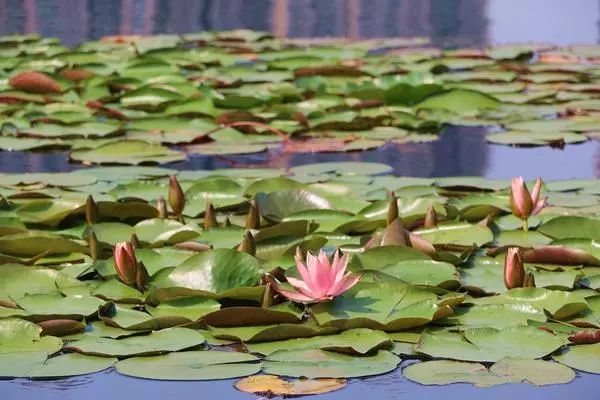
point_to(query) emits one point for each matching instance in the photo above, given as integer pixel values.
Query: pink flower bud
(514, 272)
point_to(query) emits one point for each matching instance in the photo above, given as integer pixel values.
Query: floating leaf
(489, 344)
(272, 385)
(191, 366)
(324, 364)
(443, 372)
(172, 339)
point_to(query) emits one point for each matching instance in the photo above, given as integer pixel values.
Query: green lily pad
(582, 357)
(216, 271)
(191, 366)
(458, 234)
(498, 316)
(571, 227)
(23, 336)
(166, 340)
(510, 370)
(324, 364)
(489, 344)
(385, 307)
(352, 341)
(131, 152)
(558, 303)
(70, 365)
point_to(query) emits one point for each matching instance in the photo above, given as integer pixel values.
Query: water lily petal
(539, 206)
(295, 296)
(340, 268)
(520, 198)
(301, 286)
(322, 283)
(535, 193)
(303, 271)
(344, 284)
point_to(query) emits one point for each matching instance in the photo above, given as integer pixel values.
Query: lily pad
(325, 364)
(191, 366)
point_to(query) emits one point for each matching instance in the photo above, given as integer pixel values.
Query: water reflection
(449, 23)
(459, 151)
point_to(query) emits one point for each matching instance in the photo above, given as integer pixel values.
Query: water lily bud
(60, 327)
(522, 203)
(125, 262)
(176, 196)
(268, 297)
(520, 198)
(94, 246)
(514, 272)
(227, 222)
(193, 246)
(210, 216)
(253, 217)
(487, 221)
(394, 234)
(161, 206)
(529, 280)
(421, 244)
(248, 244)
(431, 218)
(392, 211)
(91, 211)
(135, 241)
(141, 277)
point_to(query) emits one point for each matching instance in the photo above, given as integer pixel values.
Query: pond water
(460, 151)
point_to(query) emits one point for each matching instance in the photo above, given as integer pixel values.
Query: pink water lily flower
(523, 203)
(321, 281)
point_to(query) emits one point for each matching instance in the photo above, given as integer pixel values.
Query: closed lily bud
(94, 246)
(421, 244)
(125, 262)
(176, 196)
(394, 234)
(514, 272)
(253, 217)
(91, 211)
(210, 216)
(141, 277)
(248, 245)
(161, 206)
(268, 296)
(431, 218)
(529, 280)
(392, 211)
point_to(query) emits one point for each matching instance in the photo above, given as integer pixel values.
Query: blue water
(111, 385)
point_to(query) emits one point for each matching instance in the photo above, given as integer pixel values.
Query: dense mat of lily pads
(209, 303)
(133, 100)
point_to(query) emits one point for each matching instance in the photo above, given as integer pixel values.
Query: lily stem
(525, 225)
